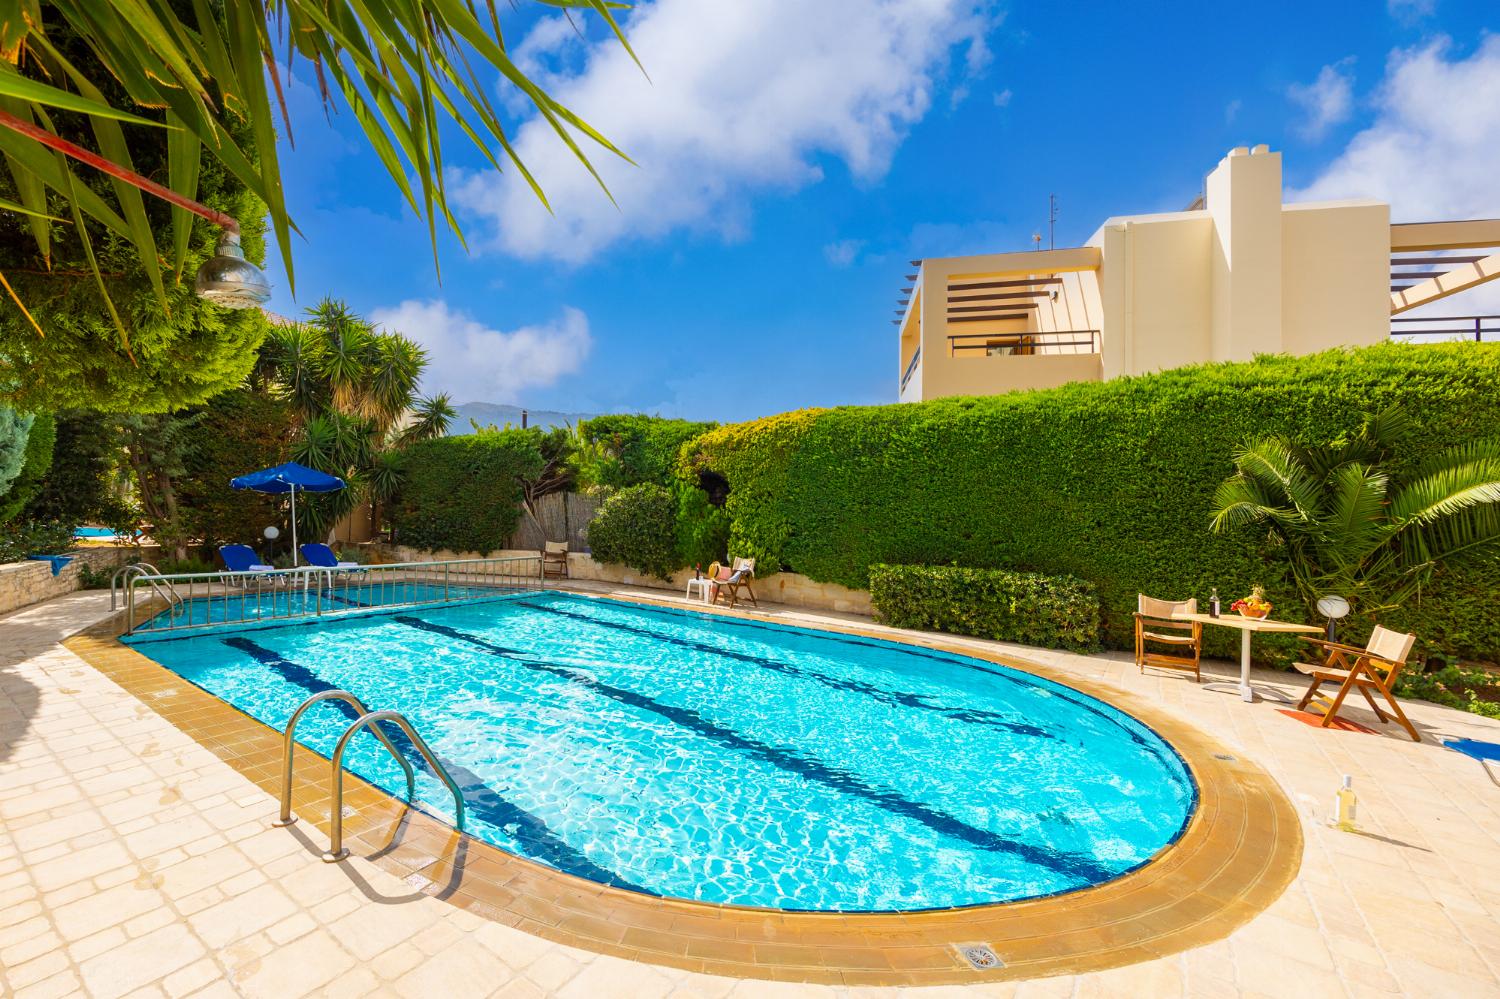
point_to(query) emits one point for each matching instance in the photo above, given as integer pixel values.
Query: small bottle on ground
(1344, 805)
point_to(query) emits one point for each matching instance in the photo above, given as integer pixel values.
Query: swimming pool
(727, 760)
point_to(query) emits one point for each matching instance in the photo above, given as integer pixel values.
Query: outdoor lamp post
(1333, 608)
(226, 278)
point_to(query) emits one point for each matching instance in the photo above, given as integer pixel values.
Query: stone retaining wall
(788, 588)
(25, 583)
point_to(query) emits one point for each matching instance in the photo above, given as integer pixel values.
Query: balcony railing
(911, 367)
(203, 599)
(1445, 327)
(1023, 344)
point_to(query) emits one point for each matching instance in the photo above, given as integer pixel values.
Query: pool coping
(1239, 852)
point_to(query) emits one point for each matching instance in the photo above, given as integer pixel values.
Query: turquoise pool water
(255, 604)
(727, 760)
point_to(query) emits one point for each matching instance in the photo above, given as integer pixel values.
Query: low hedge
(1052, 612)
(463, 493)
(1110, 482)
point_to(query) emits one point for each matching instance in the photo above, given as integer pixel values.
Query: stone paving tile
(133, 861)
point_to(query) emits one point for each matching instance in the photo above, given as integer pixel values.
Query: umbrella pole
(294, 526)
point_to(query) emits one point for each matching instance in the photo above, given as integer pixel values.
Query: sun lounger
(243, 564)
(322, 556)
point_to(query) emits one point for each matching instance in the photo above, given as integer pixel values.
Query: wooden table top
(1232, 620)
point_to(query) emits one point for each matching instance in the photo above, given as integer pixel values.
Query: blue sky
(794, 156)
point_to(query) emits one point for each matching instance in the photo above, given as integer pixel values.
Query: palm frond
(405, 70)
(1356, 523)
(1275, 466)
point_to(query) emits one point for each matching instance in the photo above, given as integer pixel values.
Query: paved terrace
(134, 861)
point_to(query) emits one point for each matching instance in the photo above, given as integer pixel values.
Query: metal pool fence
(156, 603)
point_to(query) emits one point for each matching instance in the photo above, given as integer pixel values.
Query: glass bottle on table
(1213, 603)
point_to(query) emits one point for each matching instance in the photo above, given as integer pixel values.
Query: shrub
(638, 527)
(702, 528)
(15, 432)
(79, 487)
(1053, 612)
(38, 459)
(24, 538)
(463, 493)
(1110, 482)
(1455, 686)
(235, 433)
(624, 449)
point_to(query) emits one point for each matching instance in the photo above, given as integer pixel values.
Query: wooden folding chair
(737, 579)
(1375, 666)
(1154, 625)
(555, 558)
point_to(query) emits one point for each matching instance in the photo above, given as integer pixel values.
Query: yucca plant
(197, 71)
(1348, 526)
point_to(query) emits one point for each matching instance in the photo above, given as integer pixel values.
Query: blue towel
(58, 561)
(1473, 747)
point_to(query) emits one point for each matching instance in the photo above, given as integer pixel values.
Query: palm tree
(1348, 526)
(194, 73)
(354, 389)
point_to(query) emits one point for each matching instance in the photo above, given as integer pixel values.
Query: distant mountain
(485, 413)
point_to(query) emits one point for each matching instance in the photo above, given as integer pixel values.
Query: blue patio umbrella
(289, 478)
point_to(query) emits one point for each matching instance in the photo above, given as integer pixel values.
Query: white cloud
(742, 98)
(1232, 110)
(473, 362)
(1002, 99)
(1410, 10)
(1430, 152)
(1431, 149)
(1325, 102)
(843, 252)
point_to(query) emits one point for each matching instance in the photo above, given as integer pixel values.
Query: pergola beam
(1460, 278)
(1460, 235)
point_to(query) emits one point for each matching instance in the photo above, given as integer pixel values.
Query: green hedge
(627, 449)
(463, 493)
(638, 527)
(1052, 612)
(1109, 482)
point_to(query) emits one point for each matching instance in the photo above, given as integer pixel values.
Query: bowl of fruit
(1255, 606)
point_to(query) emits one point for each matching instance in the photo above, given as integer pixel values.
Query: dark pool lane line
(1084, 869)
(535, 836)
(1168, 758)
(892, 698)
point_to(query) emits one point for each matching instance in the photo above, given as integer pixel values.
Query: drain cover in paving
(979, 956)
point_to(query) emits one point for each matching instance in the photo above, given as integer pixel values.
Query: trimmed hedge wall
(1052, 612)
(1109, 482)
(627, 449)
(463, 493)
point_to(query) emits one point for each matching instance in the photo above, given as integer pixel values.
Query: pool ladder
(367, 719)
(126, 574)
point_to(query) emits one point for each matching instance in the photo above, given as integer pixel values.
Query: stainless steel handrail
(222, 597)
(114, 580)
(145, 570)
(336, 851)
(289, 747)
